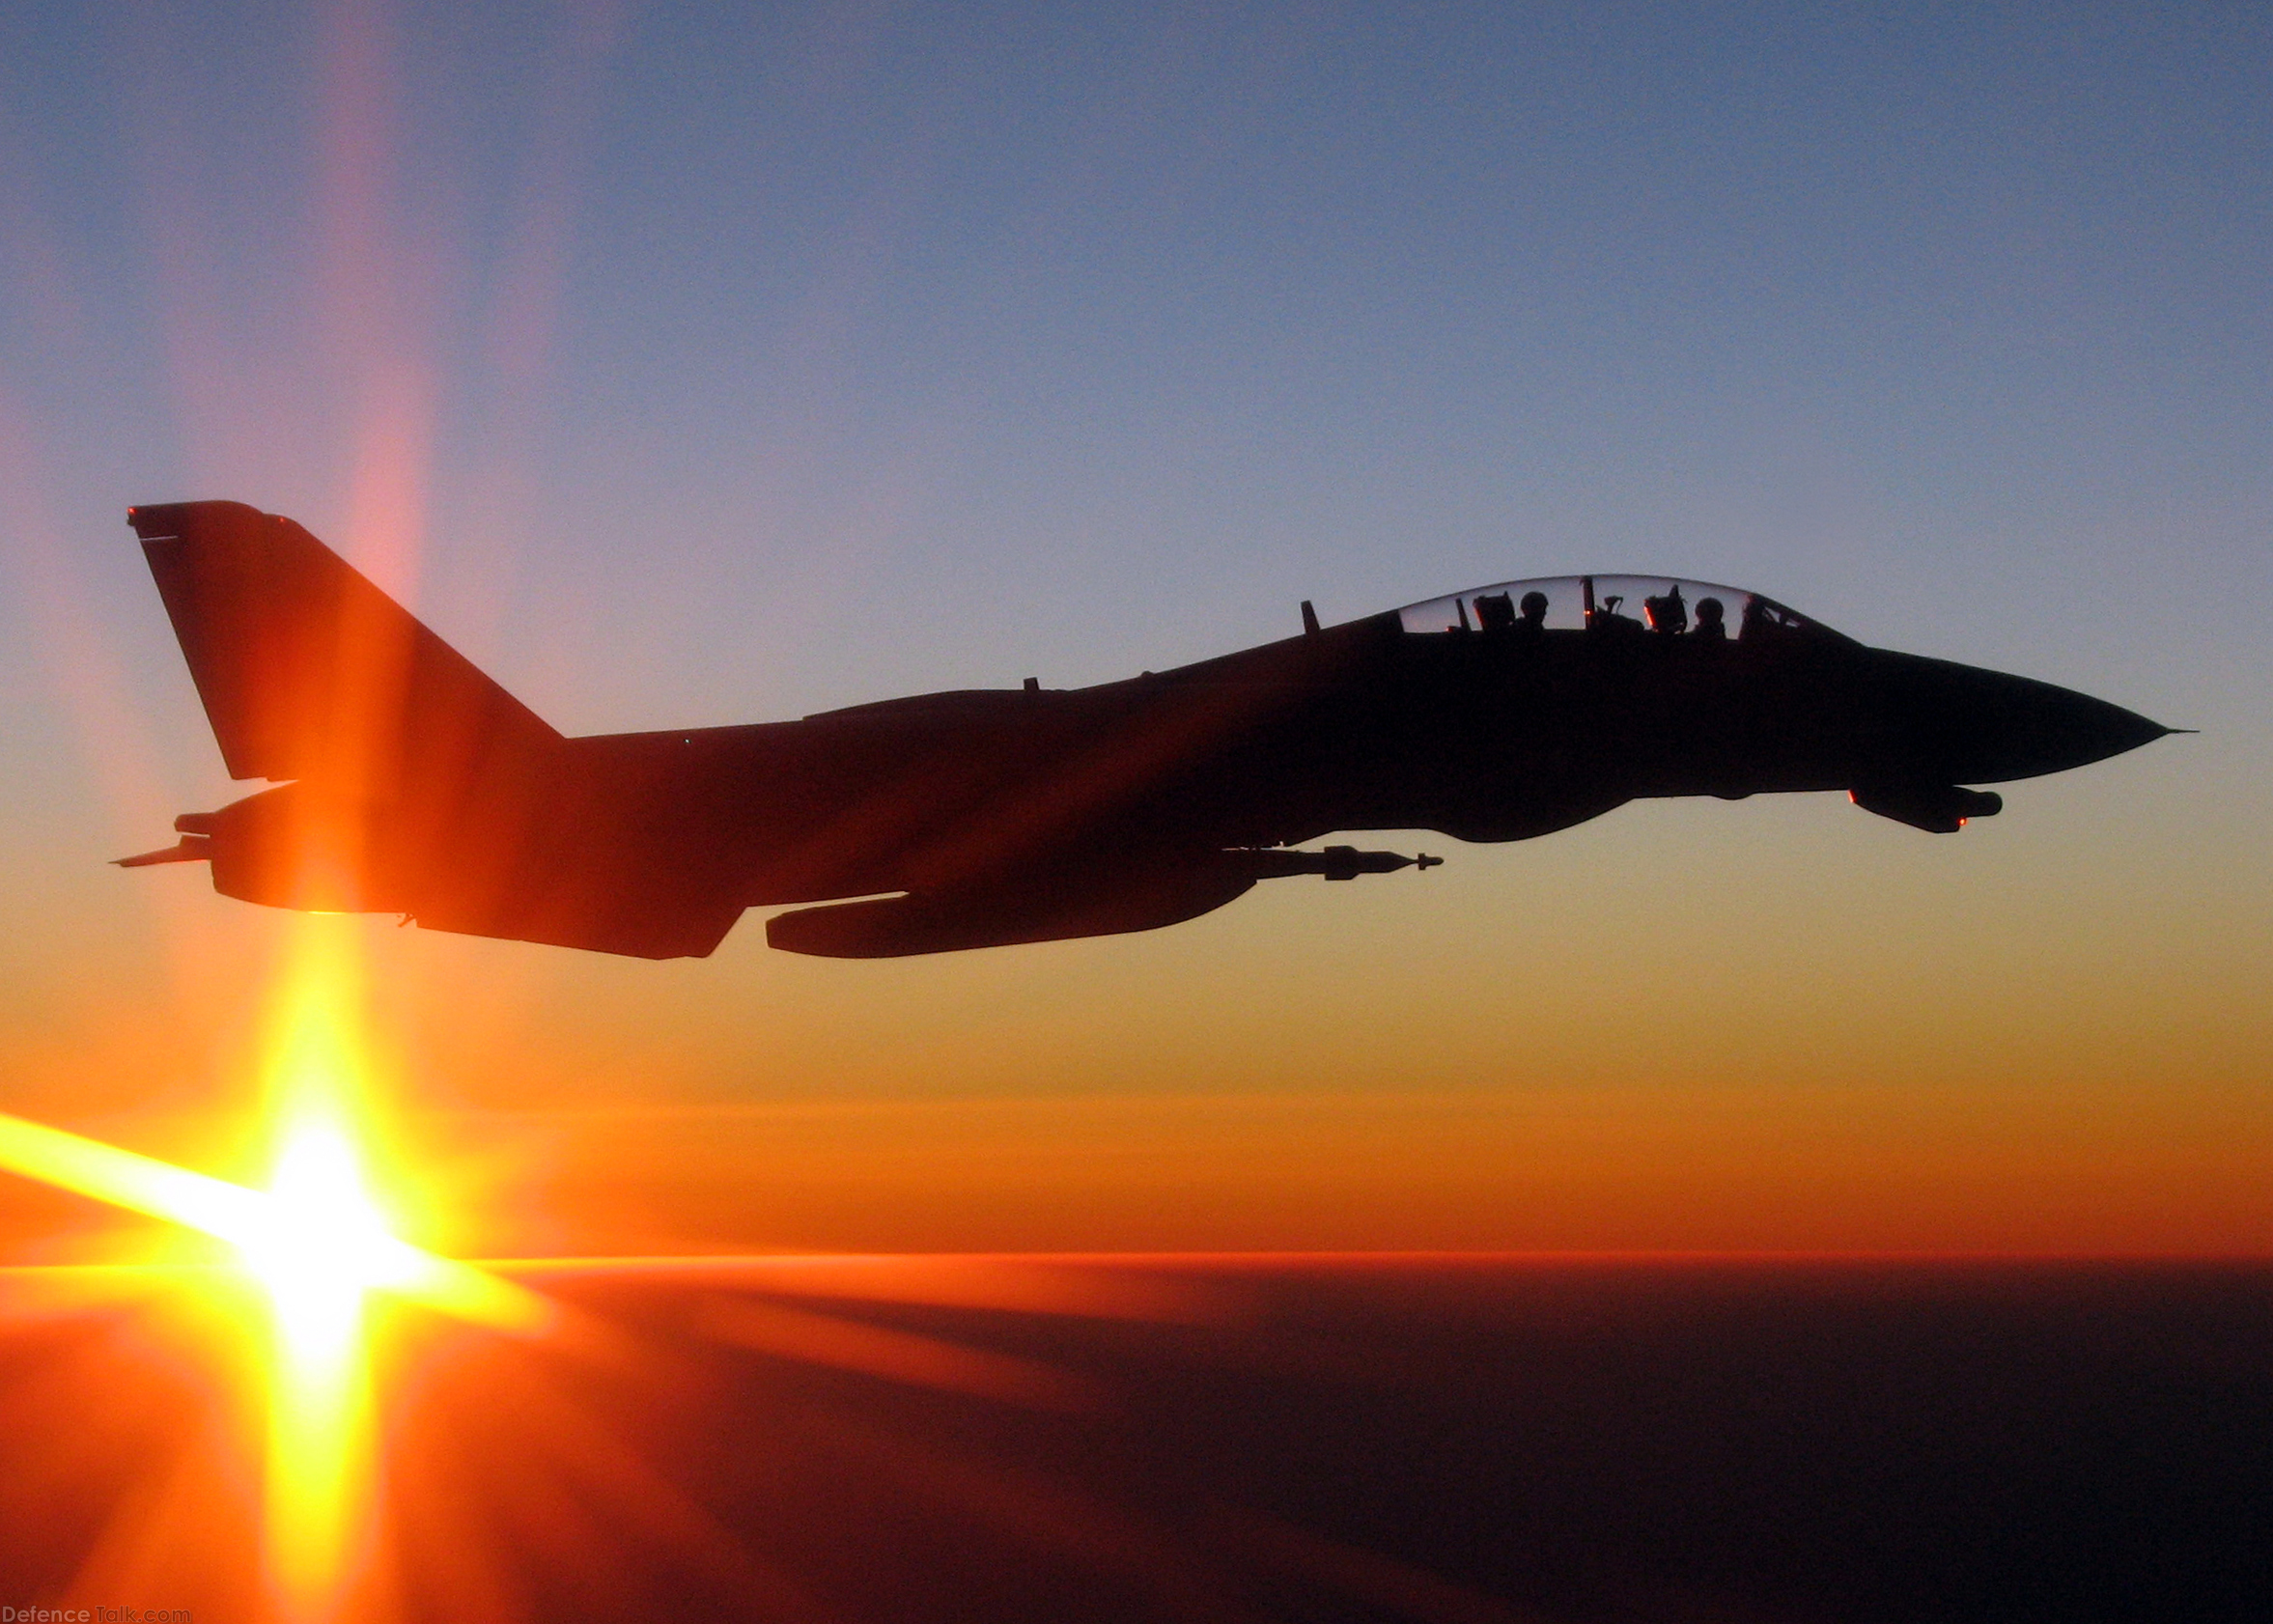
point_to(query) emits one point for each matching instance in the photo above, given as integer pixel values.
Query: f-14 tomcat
(411, 783)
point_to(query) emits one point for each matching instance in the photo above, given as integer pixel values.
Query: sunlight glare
(321, 1248)
(319, 1243)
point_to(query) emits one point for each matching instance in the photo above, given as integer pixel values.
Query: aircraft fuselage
(1028, 814)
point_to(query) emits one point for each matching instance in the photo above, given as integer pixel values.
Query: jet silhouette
(412, 783)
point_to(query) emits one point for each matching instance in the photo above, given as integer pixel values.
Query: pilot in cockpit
(1710, 621)
(1534, 614)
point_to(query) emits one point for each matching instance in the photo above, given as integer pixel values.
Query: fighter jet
(408, 782)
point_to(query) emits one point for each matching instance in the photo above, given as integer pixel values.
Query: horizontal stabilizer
(189, 849)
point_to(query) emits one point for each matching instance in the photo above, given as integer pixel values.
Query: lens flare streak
(296, 1236)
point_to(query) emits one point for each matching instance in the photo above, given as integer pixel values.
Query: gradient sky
(703, 364)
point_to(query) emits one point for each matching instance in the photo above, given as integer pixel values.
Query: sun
(320, 1242)
(325, 1243)
(322, 1247)
(320, 1251)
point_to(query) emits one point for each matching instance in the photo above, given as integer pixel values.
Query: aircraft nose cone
(1958, 724)
(2026, 727)
(2119, 730)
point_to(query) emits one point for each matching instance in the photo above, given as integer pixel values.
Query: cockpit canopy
(1663, 606)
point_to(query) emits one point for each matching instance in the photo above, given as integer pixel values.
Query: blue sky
(955, 320)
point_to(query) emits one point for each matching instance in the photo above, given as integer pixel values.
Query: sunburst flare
(320, 1241)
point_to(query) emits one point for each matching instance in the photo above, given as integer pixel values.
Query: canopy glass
(1663, 606)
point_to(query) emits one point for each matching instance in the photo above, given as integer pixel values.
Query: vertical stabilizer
(309, 671)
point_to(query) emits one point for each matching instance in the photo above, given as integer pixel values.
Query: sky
(687, 365)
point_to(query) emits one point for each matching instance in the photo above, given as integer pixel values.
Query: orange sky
(1624, 1037)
